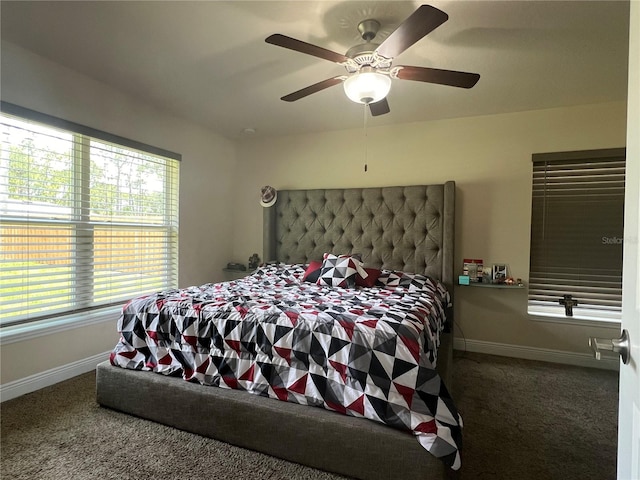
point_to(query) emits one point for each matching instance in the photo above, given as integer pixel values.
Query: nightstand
(514, 286)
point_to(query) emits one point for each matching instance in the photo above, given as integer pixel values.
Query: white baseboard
(534, 353)
(44, 379)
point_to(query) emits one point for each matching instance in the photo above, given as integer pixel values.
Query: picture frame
(473, 268)
(499, 272)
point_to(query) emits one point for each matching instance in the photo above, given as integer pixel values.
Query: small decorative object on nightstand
(254, 261)
(472, 267)
(499, 273)
(235, 270)
(236, 266)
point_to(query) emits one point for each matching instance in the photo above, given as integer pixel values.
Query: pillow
(312, 272)
(370, 279)
(389, 278)
(412, 281)
(340, 270)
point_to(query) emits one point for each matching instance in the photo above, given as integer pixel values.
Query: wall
(490, 159)
(206, 181)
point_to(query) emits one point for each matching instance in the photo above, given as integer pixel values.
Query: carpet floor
(523, 420)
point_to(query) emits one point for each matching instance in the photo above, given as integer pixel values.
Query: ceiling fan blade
(435, 75)
(304, 47)
(421, 22)
(379, 108)
(316, 87)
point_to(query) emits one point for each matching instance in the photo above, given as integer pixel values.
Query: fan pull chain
(366, 143)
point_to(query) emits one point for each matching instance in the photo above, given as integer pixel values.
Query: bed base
(314, 437)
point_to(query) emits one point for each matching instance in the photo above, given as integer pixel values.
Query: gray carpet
(523, 420)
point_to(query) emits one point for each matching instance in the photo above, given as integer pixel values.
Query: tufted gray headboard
(408, 228)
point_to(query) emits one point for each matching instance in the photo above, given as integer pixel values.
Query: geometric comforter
(364, 352)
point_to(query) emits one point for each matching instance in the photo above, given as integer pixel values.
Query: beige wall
(489, 158)
(206, 182)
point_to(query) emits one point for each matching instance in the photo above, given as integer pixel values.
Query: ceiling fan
(369, 65)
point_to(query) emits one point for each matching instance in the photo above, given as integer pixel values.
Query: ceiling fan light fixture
(367, 87)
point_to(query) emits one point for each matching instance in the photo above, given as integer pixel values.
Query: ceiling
(207, 61)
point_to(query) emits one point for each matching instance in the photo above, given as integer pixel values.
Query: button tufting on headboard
(403, 228)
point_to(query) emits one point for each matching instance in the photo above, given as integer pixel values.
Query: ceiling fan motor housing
(368, 29)
(364, 53)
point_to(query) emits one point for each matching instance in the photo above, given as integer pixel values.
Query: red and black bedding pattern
(366, 352)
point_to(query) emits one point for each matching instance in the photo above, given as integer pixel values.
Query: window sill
(27, 331)
(584, 321)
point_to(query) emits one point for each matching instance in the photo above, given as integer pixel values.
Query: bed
(402, 236)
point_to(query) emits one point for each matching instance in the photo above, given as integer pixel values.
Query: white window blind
(86, 221)
(577, 234)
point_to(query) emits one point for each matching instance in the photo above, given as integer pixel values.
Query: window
(87, 219)
(577, 234)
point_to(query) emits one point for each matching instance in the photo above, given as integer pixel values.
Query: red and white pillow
(312, 272)
(370, 279)
(364, 277)
(340, 270)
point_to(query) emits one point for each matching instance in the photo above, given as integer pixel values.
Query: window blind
(577, 233)
(85, 222)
